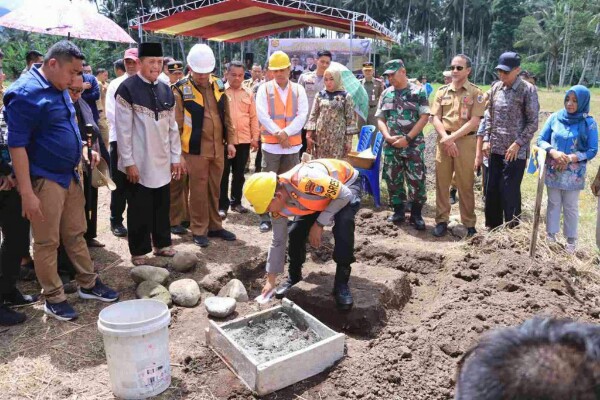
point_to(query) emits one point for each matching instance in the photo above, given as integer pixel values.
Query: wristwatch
(408, 138)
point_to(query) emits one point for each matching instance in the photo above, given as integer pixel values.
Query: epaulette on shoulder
(219, 83)
(181, 82)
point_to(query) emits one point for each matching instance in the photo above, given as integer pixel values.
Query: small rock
(143, 273)
(185, 292)
(405, 352)
(234, 289)
(184, 262)
(451, 350)
(219, 307)
(365, 213)
(153, 290)
(466, 275)
(505, 286)
(459, 231)
(594, 312)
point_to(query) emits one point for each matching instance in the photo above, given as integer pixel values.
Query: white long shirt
(294, 128)
(109, 106)
(150, 144)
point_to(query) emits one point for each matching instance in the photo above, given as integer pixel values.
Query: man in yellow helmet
(317, 193)
(282, 109)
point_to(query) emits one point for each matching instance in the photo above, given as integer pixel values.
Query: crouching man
(317, 193)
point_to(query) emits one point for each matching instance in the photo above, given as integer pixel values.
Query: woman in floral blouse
(570, 137)
(332, 121)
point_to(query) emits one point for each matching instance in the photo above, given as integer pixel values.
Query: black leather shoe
(282, 289)
(415, 217)
(119, 230)
(16, 298)
(223, 234)
(185, 224)
(200, 240)
(9, 317)
(343, 297)
(453, 199)
(398, 216)
(178, 230)
(265, 226)
(440, 229)
(471, 232)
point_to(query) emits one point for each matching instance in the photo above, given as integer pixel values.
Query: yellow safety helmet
(279, 60)
(259, 189)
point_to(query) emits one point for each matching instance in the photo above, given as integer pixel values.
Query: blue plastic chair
(370, 177)
(364, 138)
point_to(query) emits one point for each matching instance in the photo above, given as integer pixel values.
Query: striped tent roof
(240, 20)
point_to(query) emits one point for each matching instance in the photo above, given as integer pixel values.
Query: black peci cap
(509, 61)
(149, 49)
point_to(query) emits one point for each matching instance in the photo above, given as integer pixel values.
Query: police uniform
(374, 88)
(455, 107)
(401, 109)
(206, 128)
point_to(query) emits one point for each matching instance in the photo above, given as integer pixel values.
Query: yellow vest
(193, 111)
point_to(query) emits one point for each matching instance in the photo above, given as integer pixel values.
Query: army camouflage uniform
(401, 109)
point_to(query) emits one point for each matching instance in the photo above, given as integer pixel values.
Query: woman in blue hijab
(570, 137)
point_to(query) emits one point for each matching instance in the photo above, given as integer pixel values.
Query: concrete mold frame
(283, 371)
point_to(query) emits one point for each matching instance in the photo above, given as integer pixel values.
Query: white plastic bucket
(136, 342)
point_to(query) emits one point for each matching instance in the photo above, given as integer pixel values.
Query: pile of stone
(152, 282)
(224, 304)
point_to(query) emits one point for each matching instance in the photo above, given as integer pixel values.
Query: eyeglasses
(75, 91)
(456, 67)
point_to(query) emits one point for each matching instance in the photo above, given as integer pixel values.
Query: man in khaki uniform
(457, 111)
(102, 78)
(207, 135)
(374, 88)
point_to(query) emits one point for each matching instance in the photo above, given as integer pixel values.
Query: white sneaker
(550, 238)
(570, 248)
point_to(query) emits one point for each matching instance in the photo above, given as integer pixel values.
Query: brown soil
(459, 290)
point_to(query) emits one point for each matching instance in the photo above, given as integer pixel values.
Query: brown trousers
(103, 126)
(180, 195)
(205, 184)
(64, 221)
(462, 169)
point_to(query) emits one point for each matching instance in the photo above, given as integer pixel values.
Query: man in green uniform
(374, 88)
(402, 114)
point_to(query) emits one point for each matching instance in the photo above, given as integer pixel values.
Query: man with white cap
(282, 109)
(202, 113)
(117, 196)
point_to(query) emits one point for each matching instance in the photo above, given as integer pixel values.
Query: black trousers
(15, 240)
(234, 166)
(118, 199)
(503, 191)
(343, 234)
(304, 143)
(258, 161)
(92, 221)
(147, 218)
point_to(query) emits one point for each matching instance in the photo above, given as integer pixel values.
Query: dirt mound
(415, 355)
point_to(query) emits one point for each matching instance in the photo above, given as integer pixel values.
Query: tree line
(559, 40)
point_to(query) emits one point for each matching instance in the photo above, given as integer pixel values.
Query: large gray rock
(184, 262)
(234, 289)
(153, 290)
(219, 307)
(185, 292)
(459, 231)
(143, 273)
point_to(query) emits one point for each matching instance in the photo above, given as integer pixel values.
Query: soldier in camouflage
(402, 114)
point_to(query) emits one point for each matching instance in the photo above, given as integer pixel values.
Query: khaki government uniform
(374, 88)
(455, 107)
(205, 169)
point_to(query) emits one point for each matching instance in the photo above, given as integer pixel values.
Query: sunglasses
(456, 67)
(75, 91)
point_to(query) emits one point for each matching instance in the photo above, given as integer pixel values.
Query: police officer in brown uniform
(456, 110)
(374, 88)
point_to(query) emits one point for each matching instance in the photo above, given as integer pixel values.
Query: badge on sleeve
(480, 99)
(187, 93)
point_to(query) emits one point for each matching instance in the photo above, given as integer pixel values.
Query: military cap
(392, 66)
(368, 65)
(175, 66)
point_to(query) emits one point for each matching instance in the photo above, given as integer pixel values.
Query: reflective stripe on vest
(305, 203)
(280, 113)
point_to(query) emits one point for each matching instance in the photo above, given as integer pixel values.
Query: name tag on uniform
(187, 93)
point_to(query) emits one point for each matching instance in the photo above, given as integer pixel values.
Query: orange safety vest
(282, 114)
(308, 195)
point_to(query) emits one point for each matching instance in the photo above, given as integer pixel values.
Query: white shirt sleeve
(262, 110)
(109, 108)
(295, 127)
(124, 130)
(174, 138)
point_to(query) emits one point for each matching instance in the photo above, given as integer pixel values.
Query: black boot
(415, 217)
(294, 276)
(341, 290)
(398, 216)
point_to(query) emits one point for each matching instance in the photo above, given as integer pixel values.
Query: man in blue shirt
(46, 148)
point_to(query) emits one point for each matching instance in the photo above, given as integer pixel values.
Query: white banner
(305, 51)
